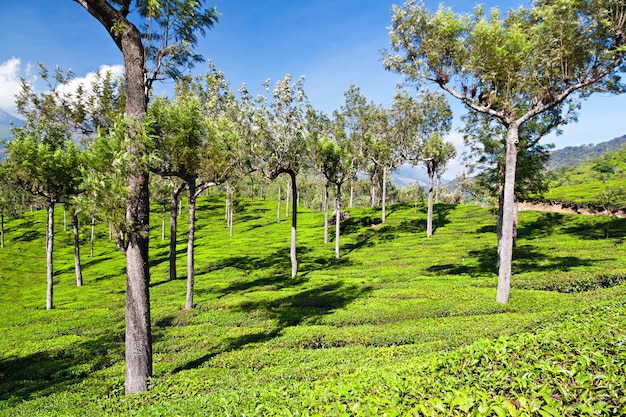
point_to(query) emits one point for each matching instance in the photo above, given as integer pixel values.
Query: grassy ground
(399, 325)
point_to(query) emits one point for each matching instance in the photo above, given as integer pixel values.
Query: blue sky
(333, 43)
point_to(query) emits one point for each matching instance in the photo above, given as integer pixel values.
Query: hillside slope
(598, 183)
(575, 155)
(401, 324)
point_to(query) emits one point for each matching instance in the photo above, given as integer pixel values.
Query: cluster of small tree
(97, 149)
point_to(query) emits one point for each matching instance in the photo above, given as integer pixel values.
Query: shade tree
(279, 144)
(44, 161)
(157, 39)
(512, 68)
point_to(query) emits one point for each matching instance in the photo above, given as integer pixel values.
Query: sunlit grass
(345, 336)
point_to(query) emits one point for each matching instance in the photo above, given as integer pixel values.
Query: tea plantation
(400, 325)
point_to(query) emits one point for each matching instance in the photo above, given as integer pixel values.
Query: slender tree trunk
(372, 192)
(278, 206)
(505, 245)
(326, 198)
(351, 192)
(287, 199)
(294, 224)
(337, 220)
(429, 221)
(92, 237)
(77, 266)
(49, 248)
(384, 202)
(190, 245)
(162, 223)
(230, 221)
(174, 228)
(227, 203)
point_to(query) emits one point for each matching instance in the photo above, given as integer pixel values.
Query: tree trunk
(294, 223)
(337, 220)
(287, 200)
(174, 228)
(326, 198)
(190, 245)
(372, 192)
(77, 266)
(230, 221)
(49, 248)
(505, 245)
(429, 221)
(162, 223)
(138, 330)
(92, 237)
(384, 199)
(351, 192)
(278, 206)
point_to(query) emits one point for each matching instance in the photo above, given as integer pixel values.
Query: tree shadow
(44, 373)
(544, 225)
(525, 257)
(290, 310)
(29, 235)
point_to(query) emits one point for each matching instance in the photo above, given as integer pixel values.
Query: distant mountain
(5, 128)
(407, 175)
(575, 155)
(5, 125)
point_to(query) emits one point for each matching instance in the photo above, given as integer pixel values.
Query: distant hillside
(407, 175)
(595, 182)
(575, 155)
(5, 128)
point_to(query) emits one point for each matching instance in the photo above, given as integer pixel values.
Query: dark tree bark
(77, 265)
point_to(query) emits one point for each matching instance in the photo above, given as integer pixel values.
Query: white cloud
(90, 78)
(9, 84)
(456, 165)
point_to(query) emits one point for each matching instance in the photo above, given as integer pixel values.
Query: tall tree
(281, 130)
(512, 69)
(418, 126)
(353, 112)
(152, 52)
(336, 164)
(193, 138)
(435, 156)
(486, 143)
(43, 157)
(46, 163)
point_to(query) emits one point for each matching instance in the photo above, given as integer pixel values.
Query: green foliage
(401, 325)
(596, 182)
